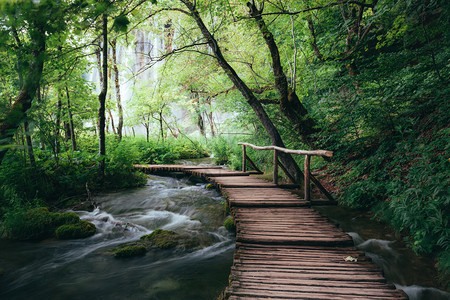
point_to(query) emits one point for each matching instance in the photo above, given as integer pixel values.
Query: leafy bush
(405, 182)
(221, 149)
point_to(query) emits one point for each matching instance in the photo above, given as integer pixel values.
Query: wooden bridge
(284, 248)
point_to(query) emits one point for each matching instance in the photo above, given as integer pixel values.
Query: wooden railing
(307, 174)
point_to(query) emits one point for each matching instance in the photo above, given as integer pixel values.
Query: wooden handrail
(276, 162)
(290, 151)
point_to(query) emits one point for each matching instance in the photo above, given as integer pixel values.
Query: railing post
(275, 166)
(244, 159)
(307, 179)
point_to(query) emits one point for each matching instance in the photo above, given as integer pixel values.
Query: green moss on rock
(32, 224)
(130, 251)
(163, 239)
(229, 224)
(78, 230)
(67, 218)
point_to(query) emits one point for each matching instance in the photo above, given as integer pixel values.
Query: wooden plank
(335, 291)
(216, 172)
(242, 181)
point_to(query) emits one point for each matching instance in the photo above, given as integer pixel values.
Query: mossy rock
(82, 229)
(210, 186)
(66, 218)
(32, 224)
(229, 224)
(130, 251)
(163, 239)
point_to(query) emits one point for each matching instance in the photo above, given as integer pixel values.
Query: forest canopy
(88, 88)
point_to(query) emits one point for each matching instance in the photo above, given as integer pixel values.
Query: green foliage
(130, 251)
(229, 224)
(406, 183)
(79, 230)
(222, 150)
(444, 268)
(121, 23)
(156, 152)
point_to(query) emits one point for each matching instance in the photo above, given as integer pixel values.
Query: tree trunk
(211, 123)
(66, 131)
(112, 122)
(72, 129)
(200, 123)
(29, 144)
(16, 114)
(290, 104)
(118, 98)
(147, 130)
(273, 133)
(161, 129)
(58, 123)
(168, 35)
(102, 98)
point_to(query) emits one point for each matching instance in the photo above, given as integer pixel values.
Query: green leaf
(121, 23)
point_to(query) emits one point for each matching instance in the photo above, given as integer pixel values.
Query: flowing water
(84, 269)
(414, 274)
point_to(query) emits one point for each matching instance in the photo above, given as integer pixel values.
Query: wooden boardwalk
(284, 248)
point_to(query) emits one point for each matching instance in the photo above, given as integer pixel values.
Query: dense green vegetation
(365, 79)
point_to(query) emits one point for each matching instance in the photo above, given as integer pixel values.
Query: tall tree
(290, 104)
(116, 81)
(28, 19)
(272, 131)
(102, 96)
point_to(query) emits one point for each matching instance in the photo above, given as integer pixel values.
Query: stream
(82, 269)
(414, 274)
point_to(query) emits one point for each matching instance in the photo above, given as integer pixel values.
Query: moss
(67, 218)
(79, 230)
(130, 251)
(210, 186)
(39, 223)
(163, 239)
(229, 224)
(32, 224)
